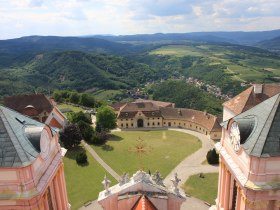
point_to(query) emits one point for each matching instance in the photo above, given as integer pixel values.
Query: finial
(106, 183)
(157, 178)
(175, 182)
(124, 179)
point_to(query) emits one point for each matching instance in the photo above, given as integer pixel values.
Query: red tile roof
(204, 119)
(249, 98)
(144, 204)
(39, 101)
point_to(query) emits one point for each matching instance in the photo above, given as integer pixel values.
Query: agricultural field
(106, 95)
(164, 150)
(243, 64)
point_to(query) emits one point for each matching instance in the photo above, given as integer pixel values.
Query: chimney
(257, 88)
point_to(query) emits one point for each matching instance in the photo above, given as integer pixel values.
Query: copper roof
(249, 98)
(39, 101)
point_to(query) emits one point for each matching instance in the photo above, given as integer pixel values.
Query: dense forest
(187, 96)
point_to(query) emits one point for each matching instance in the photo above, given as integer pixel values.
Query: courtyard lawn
(203, 188)
(83, 182)
(166, 149)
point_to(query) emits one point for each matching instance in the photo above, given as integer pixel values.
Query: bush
(212, 157)
(100, 137)
(80, 116)
(81, 158)
(70, 136)
(87, 131)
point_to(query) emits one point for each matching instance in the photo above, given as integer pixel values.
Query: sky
(124, 17)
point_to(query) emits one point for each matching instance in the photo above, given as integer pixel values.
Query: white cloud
(78, 17)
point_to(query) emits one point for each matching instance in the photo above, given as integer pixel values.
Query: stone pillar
(63, 184)
(57, 193)
(227, 191)
(238, 198)
(46, 204)
(62, 191)
(220, 185)
(223, 186)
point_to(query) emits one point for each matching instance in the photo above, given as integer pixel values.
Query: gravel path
(100, 161)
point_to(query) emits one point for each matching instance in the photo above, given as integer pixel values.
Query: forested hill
(74, 70)
(272, 44)
(18, 51)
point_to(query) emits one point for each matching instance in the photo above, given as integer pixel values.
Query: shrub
(212, 157)
(87, 131)
(100, 137)
(70, 136)
(81, 158)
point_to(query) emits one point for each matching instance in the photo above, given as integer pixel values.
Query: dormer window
(153, 113)
(126, 114)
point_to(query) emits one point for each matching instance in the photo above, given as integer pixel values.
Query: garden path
(189, 166)
(100, 161)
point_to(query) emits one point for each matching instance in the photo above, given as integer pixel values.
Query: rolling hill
(271, 45)
(74, 70)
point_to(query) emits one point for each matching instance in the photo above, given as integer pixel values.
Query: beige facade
(149, 115)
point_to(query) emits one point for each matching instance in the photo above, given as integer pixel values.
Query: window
(121, 119)
(131, 124)
(174, 123)
(122, 125)
(184, 124)
(126, 114)
(148, 124)
(148, 118)
(131, 119)
(158, 118)
(164, 123)
(126, 119)
(179, 123)
(126, 124)
(153, 123)
(153, 118)
(153, 113)
(158, 123)
(190, 125)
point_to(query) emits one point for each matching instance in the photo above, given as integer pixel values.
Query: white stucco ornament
(45, 144)
(235, 136)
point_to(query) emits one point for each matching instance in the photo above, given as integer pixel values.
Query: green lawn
(203, 188)
(83, 182)
(167, 150)
(105, 95)
(73, 108)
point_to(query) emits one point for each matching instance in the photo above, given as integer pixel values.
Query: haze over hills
(234, 37)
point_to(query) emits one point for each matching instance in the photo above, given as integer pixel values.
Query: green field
(166, 149)
(106, 95)
(203, 188)
(243, 64)
(73, 108)
(83, 182)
